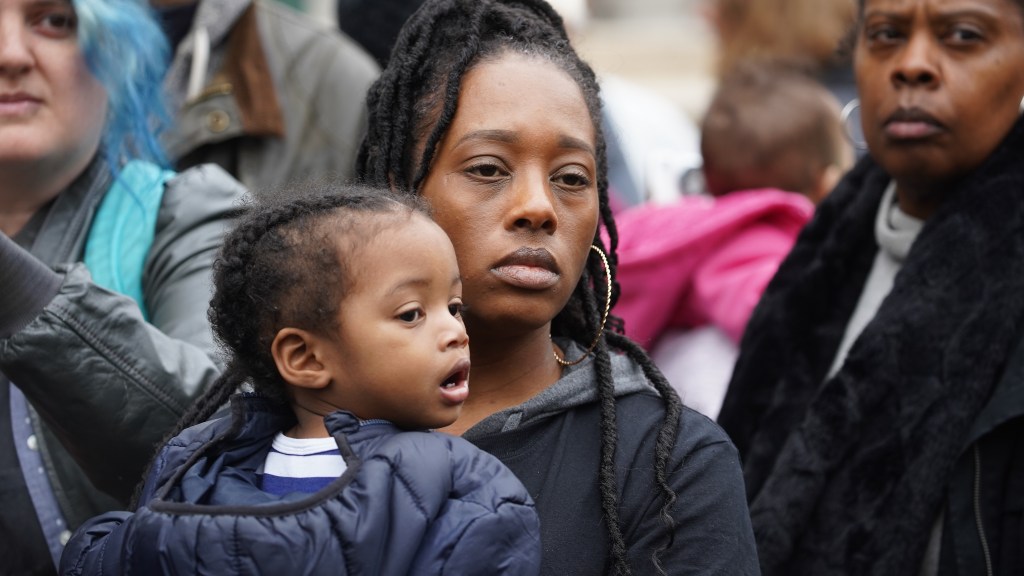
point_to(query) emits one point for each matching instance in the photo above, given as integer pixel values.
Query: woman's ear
(296, 354)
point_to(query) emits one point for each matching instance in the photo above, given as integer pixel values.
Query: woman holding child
(487, 112)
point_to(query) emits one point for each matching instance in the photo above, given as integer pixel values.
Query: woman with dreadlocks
(487, 112)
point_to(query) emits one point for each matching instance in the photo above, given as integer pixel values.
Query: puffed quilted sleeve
(489, 525)
(503, 541)
(100, 538)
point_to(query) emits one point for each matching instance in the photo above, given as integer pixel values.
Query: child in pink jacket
(692, 271)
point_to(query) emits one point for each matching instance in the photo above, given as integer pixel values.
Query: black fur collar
(846, 477)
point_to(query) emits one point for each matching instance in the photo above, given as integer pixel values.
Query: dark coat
(553, 444)
(847, 475)
(408, 503)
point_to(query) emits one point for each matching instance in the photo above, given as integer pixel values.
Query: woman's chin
(511, 320)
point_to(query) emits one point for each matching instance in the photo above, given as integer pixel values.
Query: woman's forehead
(939, 6)
(522, 88)
(35, 3)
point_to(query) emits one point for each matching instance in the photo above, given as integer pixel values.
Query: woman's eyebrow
(507, 136)
(572, 142)
(970, 11)
(511, 137)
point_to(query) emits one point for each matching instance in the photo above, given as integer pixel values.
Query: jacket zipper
(977, 510)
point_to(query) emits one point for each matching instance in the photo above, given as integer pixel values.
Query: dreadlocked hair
(411, 107)
(269, 275)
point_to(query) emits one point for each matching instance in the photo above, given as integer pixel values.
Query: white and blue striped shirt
(300, 465)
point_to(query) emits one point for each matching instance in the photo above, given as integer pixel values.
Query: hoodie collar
(576, 387)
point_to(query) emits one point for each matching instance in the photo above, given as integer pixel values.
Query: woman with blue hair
(106, 267)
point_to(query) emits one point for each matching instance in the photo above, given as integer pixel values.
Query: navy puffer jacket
(409, 503)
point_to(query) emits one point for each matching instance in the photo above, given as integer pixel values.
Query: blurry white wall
(662, 45)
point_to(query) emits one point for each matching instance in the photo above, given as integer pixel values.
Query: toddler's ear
(295, 354)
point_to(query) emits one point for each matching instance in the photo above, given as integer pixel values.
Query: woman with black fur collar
(878, 401)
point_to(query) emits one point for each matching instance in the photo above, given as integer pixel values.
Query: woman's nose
(15, 55)
(533, 202)
(916, 63)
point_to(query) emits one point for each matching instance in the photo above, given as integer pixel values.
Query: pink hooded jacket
(702, 260)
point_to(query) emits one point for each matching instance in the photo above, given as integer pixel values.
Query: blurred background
(666, 46)
(659, 63)
(710, 109)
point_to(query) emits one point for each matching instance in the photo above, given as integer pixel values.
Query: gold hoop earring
(604, 317)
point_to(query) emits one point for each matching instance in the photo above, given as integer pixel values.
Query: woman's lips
(15, 109)
(911, 124)
(529, 268)
(16, 105)
(529, 277)
(910, 130)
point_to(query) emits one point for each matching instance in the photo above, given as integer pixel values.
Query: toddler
(692, 271)
(344, 312)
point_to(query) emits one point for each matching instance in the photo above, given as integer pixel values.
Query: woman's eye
(60, 23)
(456, 308)
(963, 34)
(882, 34)
(411, 315)
(573, 180)
(485, 171)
